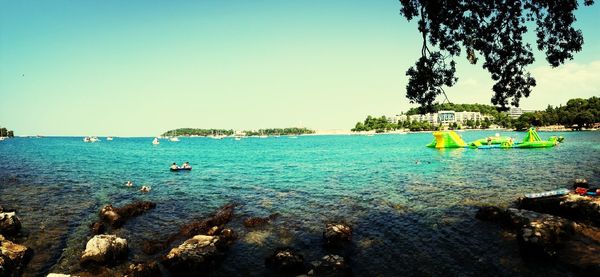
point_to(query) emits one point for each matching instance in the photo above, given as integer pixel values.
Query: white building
(514, 112)
(443, 117)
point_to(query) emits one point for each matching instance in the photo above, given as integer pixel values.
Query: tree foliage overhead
(482, 108)
(492, 30)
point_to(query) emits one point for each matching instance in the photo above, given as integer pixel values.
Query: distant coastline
(191, 132)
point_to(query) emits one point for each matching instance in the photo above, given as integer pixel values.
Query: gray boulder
(195, 256)
(13, 257)
(9, 223)
(104, 249)
(336, 234)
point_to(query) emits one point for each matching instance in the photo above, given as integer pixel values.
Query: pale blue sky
(138, 68)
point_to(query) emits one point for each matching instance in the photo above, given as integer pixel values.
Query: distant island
(577, 114)
(6, 133)
(225, 132)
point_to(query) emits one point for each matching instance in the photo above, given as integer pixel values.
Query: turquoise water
(412, 207)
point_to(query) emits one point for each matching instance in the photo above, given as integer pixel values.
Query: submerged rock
(104, 249)
(13, 257)
(97, 228)
(286, 261)
(198, 227)
(220, 218)
(116, 217)
(195, 256)
(330, 265)
(259, 221)
(9, 223)
(336, 234)
(572, 206)
(149, 269)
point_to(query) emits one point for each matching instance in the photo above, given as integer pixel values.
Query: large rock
(337, 234)
(575, 207)
(13, 257)
(542, 234)
(286, 261)
(545, 236)
(116, 217)
(330, 265)
(195, 256)
(9, 224)
(104, 249)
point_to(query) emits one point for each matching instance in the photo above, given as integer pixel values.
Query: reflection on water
(411, 207)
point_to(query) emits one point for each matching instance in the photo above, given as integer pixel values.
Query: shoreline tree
(6, 133)
(492, 30)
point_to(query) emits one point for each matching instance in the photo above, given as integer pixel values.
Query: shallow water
(412, 207)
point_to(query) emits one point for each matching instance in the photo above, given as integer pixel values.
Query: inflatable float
(181, 169)
(450, 139)
(447, 139)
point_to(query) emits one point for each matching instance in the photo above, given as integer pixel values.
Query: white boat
(2, 138)
(293, 137)
(263, 136)
(86, 139)
(238, 138)
(174, 139)
(155, 141)
(109, 138)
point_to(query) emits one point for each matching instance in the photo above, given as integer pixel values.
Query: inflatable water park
(450, 139)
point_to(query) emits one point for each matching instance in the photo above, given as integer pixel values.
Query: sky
(139, 68)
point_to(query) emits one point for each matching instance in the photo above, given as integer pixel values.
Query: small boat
(109, 138)
(557, 192)
(155, 141)
(181, 169)
(174, 139)
(238, 138)
(294, 137)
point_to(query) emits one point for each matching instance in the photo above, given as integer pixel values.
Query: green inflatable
(533, 140)
(449, 139)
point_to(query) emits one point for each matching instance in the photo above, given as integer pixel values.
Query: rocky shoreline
(198, 248)
(563, 229)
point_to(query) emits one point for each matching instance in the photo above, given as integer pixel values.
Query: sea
(412, 208)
